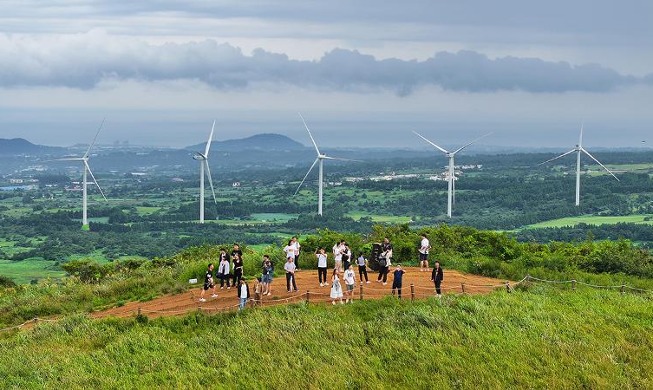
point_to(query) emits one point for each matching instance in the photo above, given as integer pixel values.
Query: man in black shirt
(208, 283)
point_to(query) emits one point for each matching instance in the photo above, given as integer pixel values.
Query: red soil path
(308, 284)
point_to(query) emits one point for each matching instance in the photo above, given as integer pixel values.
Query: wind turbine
(87, 169)
(320, 161)
(204, 165)
(578, 149)
(451, 196)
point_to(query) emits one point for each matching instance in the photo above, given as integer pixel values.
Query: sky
(362, 73)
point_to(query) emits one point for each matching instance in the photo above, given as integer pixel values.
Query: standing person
(258, 289)
(289, 251)
(243, 293)
(385, 261)
(236, 251)
(296, 248)
(346, 256)
(267, 272)
(321, 266)
(208, 283)
(437, 276)
(424, 254)
(337, 255)
(362, 267)
(238, 270)
(397, 280)
(223, 269)
(349, 282)
(290, 274)
(336, 288)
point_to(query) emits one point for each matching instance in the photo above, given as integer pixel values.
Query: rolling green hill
(539, 338)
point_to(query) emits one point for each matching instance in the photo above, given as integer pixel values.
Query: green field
(379, 218)
(592, 220)
(28, 270)
(273, 217)
(541, 338)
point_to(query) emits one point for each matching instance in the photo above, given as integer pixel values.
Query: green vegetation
(28, 270)
(487, 253)
(593, 220)
(538, 338)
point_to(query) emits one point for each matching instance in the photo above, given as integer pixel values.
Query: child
(321, 266)
(243, 293)
(350, 281)
(208, 283)
(258, 288)
(336, 289)
(396, 283)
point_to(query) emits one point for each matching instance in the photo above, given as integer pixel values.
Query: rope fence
(412, 292)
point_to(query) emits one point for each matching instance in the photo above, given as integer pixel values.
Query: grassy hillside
(540, 338)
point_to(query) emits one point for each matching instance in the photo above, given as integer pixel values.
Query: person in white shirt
(296, 248)
(224, 270)
(336, 288)
(350, 282)
(337, 255)
(321, 266)
(289, 250)
(424, 254)
(290, 274)
(243, 293)
(362, 268)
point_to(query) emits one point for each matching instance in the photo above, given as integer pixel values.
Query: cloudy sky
(362, 73)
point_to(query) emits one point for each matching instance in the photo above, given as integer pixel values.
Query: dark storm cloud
(83, 61)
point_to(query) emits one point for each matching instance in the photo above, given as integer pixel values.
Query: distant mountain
(23, 146)
(256, 142)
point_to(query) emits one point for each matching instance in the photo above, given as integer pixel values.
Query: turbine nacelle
(199, 156)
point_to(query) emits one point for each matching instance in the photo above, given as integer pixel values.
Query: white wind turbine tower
(204, 165)
(320, 161)
(451, 196)
(578, 149)
(87, 170)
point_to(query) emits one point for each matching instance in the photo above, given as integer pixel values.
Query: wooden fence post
(623, 288)
(463, 287)
(508, 288)
(308, 296)
(573, 284)
(139, 311)
(412, 292)
(361, 291)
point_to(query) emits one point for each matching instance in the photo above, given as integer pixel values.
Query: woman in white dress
(336, 287)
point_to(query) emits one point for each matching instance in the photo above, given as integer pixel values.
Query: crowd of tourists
(229, 272)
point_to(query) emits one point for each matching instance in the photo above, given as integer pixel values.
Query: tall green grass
(540, 338)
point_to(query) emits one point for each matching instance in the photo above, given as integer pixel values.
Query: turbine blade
(555, 158)
(94, 139)
(208, 143)
(93, 177)
(307, 173)
(310, 135)
(580, 138)
(340, 159)
(598, 162)
(68, 159)
(208, 173)
(422, 137)
(464, 146)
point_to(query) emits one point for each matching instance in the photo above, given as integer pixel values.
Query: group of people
(230, 271)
